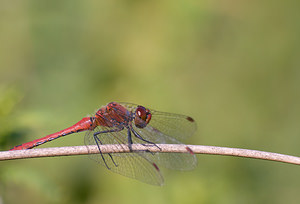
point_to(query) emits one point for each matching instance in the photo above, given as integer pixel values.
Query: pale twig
(197, 149)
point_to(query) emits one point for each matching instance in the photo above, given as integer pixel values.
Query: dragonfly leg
(137, 135)
(129, 139)
(130, 142)
(97, 140)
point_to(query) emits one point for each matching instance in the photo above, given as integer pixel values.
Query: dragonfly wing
(173, 125)
(178, 161)
(134, 165)
(176, 126)
(168, 128)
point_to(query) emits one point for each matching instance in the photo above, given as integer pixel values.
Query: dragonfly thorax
(113, 115)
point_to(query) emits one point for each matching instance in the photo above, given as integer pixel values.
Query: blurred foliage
(232, 65)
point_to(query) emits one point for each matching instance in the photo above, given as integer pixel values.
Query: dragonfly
(127, 124)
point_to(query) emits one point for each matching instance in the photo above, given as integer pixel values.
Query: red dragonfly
(126, 123)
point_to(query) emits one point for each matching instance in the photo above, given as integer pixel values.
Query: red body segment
(84, 124)
(113, 114)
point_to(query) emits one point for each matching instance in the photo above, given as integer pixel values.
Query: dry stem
(197, 149)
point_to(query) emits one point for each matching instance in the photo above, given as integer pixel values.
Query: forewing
(173, 125)
(176, 126)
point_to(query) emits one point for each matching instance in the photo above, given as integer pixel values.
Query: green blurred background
(234, 66)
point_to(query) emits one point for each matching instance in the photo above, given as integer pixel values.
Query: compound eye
(141, 112)
(148, 116)
(143, 117)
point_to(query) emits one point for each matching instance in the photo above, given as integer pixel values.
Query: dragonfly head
(142, 117)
